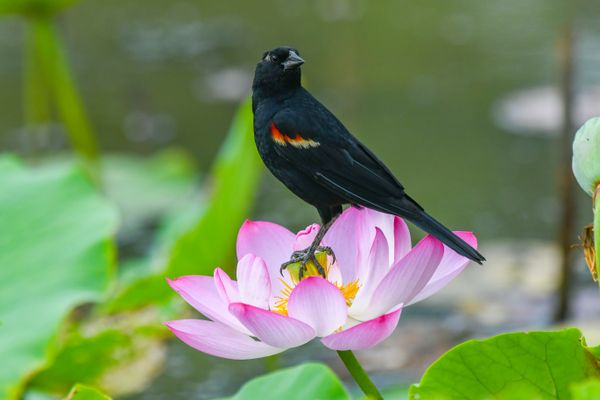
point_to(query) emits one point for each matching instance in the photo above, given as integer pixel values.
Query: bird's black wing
(316, 143)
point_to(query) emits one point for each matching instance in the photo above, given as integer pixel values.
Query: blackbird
(312, 153)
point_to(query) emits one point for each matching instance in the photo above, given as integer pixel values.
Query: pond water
(418, 82)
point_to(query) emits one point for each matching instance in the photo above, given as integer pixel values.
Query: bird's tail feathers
(430, 225)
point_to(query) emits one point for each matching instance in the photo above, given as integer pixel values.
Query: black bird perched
(308, 149)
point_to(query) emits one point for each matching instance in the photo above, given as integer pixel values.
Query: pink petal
(372, 272)
(343, 238)
(271, 242)
(272, 328)
(407, 277)
(253, 281)
(305, 237)
(226, 287)
(318, 303)
(402, 243)
(335, 275)
(364, 335)
(219, 340)
(451, 265)
(352, 235)
(200, 292)
(383, 222)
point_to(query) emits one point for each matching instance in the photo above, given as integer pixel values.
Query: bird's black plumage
(308, 149)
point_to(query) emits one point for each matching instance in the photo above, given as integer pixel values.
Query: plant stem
(597, 227)
(359, 375)
(566, 188)
(273, 363)
(37, 102)
(54, 67)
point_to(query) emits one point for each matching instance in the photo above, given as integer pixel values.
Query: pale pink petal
(305, 237)
(402, 243)
(383, 222)
(200, 292)
(406, 278)
(334, 275)
(226, 287)
(451, 265)
(364, 335)
(272, 328)
(371, 273)
(219, 340)
(271, 242)
(342, 237)
(253, 281)
(319, 304)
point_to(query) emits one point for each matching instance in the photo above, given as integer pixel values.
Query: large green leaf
(211, 242)
(306, 381)
(56, 251)
(589, 390)
(534, 365)
(83, 392)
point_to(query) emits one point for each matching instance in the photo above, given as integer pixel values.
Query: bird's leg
(308, 254)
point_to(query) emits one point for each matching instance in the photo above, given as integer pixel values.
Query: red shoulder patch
(276, 135)
(297, 141)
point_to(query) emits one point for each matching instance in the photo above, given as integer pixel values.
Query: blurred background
(471, 104)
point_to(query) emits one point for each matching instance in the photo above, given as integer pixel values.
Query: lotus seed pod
(586, 155)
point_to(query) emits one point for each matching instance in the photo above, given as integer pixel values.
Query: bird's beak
(293, 61)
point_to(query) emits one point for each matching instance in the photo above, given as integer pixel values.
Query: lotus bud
(586, 168)
(586, 156)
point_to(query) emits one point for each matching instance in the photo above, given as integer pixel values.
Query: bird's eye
(274, 58)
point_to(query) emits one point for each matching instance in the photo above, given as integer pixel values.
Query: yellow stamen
(348, 290)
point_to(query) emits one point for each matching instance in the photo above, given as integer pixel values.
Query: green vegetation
(533, 365)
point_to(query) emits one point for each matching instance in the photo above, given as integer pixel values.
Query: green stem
(597, 227)
(273, 363)
(70, 108)
(37, 102)
(359, 375)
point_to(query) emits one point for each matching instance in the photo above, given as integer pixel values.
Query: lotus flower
(376, 273)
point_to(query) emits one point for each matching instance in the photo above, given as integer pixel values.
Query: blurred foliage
(118, 344)
(50, 92)
(305, 381)
(205, 236)
(83, 392)
(34, 7)
(50, 87)
(56, 250)
(234, 178)
(394, 393)
(533, 365)
(589, 390)
(146, 187)
(120, 354)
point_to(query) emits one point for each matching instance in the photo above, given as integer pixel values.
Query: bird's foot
(305, 257)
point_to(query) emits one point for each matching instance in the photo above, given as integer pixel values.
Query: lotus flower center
(348, 290)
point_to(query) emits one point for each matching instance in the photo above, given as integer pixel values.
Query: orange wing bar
(297, 141)
(277, 136)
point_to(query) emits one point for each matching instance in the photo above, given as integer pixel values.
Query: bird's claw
(304, 256)
(329, 251)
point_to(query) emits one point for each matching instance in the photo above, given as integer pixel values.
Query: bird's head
(278, 71)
